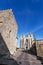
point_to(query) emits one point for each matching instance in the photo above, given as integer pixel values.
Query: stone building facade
(31, 44)
(8, 30)
(26, 42)
(39, 48)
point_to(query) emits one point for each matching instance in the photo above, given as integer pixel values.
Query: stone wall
(39, 48)
(8, 29)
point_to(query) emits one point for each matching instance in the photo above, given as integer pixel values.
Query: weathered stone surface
(39, 48)
(8, 29)
(26, 58)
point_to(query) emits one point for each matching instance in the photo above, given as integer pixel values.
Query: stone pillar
(22, 41)
(31, 38)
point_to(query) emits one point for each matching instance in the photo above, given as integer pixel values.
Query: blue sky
(28, 14)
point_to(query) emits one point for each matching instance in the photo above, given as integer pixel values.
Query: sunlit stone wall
(8, 29)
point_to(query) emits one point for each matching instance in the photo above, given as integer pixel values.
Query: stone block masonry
(8, 30)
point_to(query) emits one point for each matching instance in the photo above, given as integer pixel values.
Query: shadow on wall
(32, 50)
(5, 58)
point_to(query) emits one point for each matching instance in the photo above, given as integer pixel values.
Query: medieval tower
(8, 31)
(26, 42)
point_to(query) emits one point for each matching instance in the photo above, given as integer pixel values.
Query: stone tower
(26, 42)
(8, 29)
(22, 41)
(31, 38)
